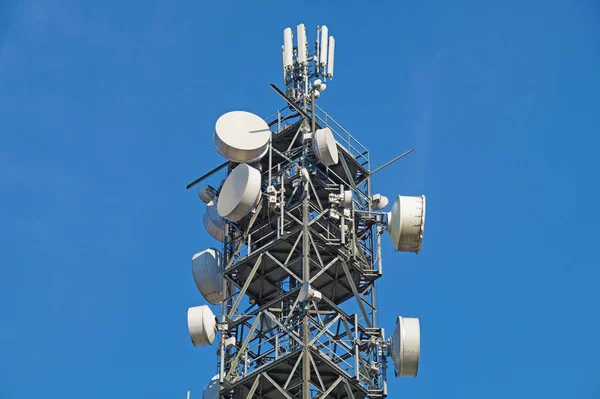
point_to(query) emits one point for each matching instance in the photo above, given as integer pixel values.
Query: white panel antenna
(323, 43)
(208, 275)
(202, 325)
(283, 65)
(302, 45)
(347, 199)
(288, 49)
(331, 56)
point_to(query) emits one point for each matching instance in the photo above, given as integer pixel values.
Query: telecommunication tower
(300, 234)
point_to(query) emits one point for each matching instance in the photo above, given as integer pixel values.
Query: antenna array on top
(304, 68)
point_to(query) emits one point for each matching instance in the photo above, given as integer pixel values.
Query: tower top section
(306, 68)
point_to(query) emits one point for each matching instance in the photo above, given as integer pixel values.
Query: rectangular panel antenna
(302, 48)
(283, 64)
(288, 47)
(323, 52)
(331, 54)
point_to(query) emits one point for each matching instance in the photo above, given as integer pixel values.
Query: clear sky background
(107, 111)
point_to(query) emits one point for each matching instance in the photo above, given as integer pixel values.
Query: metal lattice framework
(301, 234)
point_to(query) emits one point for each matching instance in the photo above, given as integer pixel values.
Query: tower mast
(300, 249)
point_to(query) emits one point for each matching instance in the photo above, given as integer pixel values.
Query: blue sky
(107, 111)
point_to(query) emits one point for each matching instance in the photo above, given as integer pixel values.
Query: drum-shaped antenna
(380, 201)
(406, 347)
(325, 147)
(241, 136)
(206, 193)
(267, 325)
(202, 325)
(213, 223)
(211, 391)
(240, 193)
(406, 223)
(208, 275)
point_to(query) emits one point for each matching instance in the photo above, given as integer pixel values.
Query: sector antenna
(294, 248)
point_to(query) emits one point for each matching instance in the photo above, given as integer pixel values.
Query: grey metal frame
(285, 347)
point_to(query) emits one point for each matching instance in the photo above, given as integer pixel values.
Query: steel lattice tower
(299, 315)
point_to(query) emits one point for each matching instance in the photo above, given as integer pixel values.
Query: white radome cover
(241, 136)
(213, 223)
(202, 325)
(206, 193)
(208, 275)
(406, 223)
(211, 391)
(240, 193)
(267, 324)
(380, 201)
(406, 346)
(325, 147)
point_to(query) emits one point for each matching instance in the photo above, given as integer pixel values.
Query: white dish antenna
(331, 55)
(208, 275)
(302, 45)
(267, 325)
(319, 86)
(206, 193)
(288, 49)
(213, 223)
(323, 43)
(211, 391)
(406, 223)
(241, 136)
(380, 201)
(240, 193)
(325, 147)
(405, 347)
(309, 293)
(202, 325)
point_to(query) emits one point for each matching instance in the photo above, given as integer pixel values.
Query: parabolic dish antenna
(325, 147)
(206, 193)
(213, 223)
(267, 325)
(202, 325)
(241, 136)
(380, 201)
(240, 193)
(211, 391)
(406, 223)
(308, 293)
(208, 275)
(406, 347)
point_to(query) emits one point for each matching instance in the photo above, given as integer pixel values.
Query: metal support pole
(312, 111)
(305, 279)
